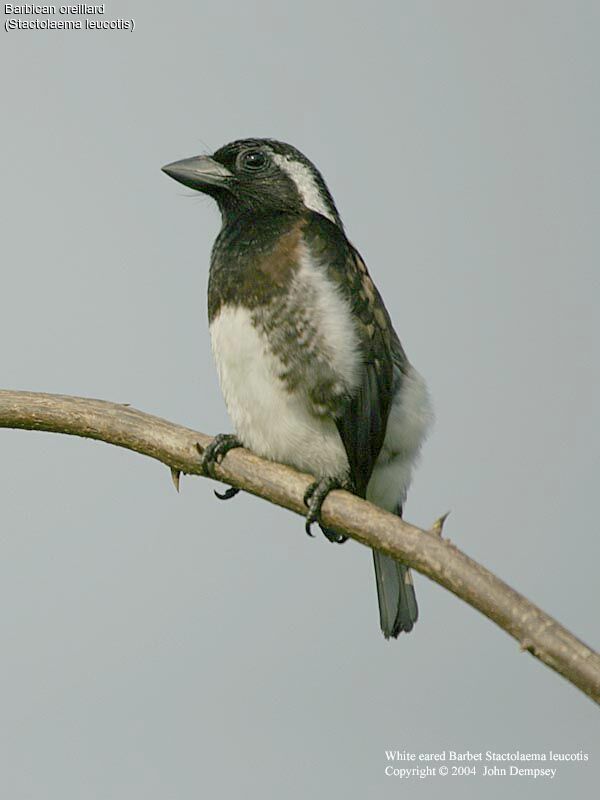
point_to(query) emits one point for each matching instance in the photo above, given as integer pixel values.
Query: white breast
(270, 421)
(278, 425)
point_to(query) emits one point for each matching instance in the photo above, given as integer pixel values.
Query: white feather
(270, 421)
(330, 315)
(305, 183)
(410, 418)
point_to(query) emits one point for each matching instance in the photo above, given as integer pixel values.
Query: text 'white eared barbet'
(312, 371)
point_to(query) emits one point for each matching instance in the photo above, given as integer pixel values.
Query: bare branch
(426, 551)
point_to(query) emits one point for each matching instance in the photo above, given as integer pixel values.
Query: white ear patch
(306, 185)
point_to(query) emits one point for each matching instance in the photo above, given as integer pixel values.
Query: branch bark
(425, 551)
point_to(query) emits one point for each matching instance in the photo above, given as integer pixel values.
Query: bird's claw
(214, 453)
(227, 494)
(314, 497)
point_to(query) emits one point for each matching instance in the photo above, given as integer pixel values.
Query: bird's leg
(314, 497)
(216, 451)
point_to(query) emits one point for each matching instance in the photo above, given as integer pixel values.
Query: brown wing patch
(369, 307)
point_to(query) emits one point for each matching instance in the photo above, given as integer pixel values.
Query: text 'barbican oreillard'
(42, 10)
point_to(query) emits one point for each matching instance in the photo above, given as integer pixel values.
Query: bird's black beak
(200, 172)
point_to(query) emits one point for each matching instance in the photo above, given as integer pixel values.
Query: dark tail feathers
(398, 609)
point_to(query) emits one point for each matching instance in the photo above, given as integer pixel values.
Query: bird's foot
(214, 454)
(314, 497)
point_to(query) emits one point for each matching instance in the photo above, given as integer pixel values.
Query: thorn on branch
(438, 525)
(175, 475)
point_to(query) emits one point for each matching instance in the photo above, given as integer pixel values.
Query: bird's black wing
(362, 418)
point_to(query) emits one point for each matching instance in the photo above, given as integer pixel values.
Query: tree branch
(426, 551)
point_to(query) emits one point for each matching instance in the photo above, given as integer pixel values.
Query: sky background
(157, 645)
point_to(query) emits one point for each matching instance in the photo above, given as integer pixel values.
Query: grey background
(165, 646)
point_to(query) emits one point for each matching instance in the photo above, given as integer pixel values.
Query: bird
(311, 369)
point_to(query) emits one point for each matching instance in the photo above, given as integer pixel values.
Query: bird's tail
(398, 609)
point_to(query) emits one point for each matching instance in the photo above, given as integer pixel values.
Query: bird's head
(257, 176)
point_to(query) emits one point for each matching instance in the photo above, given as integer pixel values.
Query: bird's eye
(253, 160)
